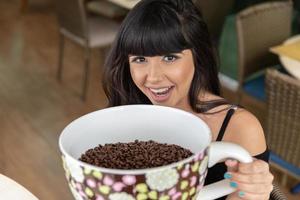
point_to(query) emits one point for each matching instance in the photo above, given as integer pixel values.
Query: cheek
(137, 76)
(188, 72)
(184, 75)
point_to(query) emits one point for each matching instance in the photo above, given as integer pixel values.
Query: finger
(257, 188)
(232, 165)
(249, 196)
(257, 166)
(263, 178)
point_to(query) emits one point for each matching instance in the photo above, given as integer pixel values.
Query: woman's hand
(253, 181)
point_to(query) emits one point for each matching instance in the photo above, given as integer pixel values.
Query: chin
(163, 104)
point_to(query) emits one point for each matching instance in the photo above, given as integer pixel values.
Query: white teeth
(160, 90)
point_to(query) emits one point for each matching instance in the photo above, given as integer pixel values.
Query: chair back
(72, 17)
(260, 27)
(277, 194)
(214, 14)
(283, 116)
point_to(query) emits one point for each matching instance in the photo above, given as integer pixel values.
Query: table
(11, 190)
(291, 65)
(128, 4)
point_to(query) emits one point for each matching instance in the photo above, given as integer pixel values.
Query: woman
(163, 56)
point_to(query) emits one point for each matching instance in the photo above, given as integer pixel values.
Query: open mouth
(161, 94)
(161, 91)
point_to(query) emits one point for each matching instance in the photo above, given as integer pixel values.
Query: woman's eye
(170, 58)
(138, 59)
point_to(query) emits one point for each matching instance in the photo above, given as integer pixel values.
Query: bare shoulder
(245, 130)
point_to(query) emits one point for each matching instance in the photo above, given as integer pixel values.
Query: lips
(160, 91)
(161, 94)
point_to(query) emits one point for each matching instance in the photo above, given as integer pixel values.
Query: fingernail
(233, 184)
(227, 175)
(241, 194)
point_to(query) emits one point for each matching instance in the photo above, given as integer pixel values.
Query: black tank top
(216, 173)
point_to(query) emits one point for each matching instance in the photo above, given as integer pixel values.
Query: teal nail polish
(241, 194)
(233, 184)
(227, 175)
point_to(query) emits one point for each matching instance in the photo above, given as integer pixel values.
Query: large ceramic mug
(180, 180)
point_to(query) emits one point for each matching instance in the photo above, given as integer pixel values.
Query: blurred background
(51, 62)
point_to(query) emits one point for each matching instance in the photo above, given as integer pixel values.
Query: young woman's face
(165, 80)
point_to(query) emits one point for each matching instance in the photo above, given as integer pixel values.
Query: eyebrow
(129, 56)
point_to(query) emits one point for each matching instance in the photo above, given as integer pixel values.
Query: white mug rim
(133, 171)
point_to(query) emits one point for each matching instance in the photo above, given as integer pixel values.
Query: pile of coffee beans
(135, 155)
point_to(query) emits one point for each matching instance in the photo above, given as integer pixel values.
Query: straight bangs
(153, 35)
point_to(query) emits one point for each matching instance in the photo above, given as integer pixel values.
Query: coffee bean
(135, 155)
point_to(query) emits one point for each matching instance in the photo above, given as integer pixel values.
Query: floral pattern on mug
(75, 193)
(75, 170)
(162, 180)
(203, 166)
(121, 196)
(180, 182)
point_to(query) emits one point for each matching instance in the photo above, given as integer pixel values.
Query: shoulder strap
(228, 116)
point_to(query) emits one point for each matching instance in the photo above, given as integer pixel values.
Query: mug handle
(219, 152)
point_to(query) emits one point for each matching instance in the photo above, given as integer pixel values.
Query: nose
(155, 73)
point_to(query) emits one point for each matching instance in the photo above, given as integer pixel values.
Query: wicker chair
(283, 122)
(89, 32)
(276, 194)
(259, 27)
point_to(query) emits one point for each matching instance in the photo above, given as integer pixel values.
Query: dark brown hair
(160, 27)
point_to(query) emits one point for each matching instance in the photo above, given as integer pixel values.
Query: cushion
(284, 164)
(256, 87)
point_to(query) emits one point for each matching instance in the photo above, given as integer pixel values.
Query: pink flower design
(108, 181)
(185, 173)
(193, 181)
(199, 187)
(118, 186)
(176, 196)
(129, 180)
(82, 194)
(99, 197)
(172, 191)
(78, 186)
(200, 156)
(91, 183)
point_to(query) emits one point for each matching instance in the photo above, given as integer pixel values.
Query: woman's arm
(253, 180)
(244, 129)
